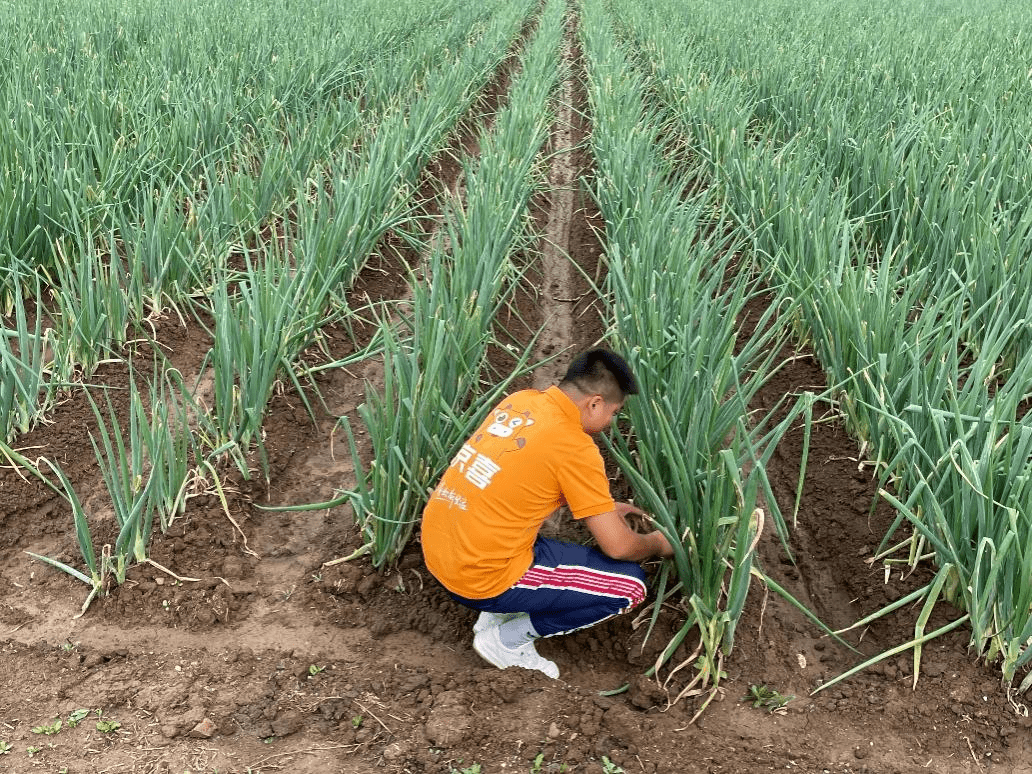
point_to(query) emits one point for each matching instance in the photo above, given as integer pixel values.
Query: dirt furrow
(555, 296)
(556, 272)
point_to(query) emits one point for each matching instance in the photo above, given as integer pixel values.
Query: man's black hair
(599, 370)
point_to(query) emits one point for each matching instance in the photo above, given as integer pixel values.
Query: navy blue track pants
(568, 587)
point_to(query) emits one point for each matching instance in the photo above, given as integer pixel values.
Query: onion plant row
(437, 383)
(147, 465)
(26, 386)
(678, 281)
(205, 115)
(264, 315)
(353, 205)
(896, 212)
(114, 105)
(115, 200)
(286, 293)
(177, 240)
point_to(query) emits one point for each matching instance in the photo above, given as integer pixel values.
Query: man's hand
(619, 541)
(626, 509)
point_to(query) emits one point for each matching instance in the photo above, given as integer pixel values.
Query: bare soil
(271, 661)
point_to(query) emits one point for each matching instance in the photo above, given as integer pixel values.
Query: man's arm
(618, 541)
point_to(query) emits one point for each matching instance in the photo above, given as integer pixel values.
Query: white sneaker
(490, 647)
(491, 620)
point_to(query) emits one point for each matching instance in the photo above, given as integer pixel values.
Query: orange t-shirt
(528, 457)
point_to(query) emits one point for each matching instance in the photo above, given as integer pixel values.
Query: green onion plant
(435, 358)
(26, 383)
(146, 465)
(876, 154)
(679, 278)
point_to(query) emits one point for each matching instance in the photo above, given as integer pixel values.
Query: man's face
(598, 414)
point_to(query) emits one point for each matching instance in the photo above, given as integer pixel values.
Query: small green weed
(538, 766)
(107, 726)
(77, 717)
(48, 730)
(768, 698)
(356, 722)
(5, 747)
(609, 767)
(471, 769)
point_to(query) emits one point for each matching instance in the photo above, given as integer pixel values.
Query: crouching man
(533, 453)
